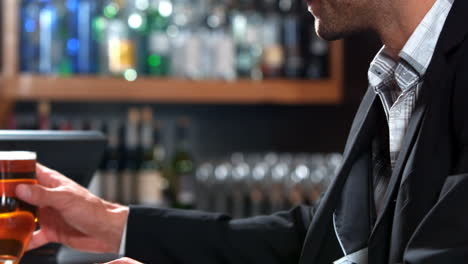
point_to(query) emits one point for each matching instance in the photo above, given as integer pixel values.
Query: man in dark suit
(399, 197)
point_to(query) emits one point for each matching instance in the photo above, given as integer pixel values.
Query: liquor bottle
(317, 59)
(64, 124)
(97, 184)
(29, 36)
(182, 170)
(119, 45)
(273, 53)
(112, 167)
(159, 46)
(137, 20)
(187, 42)
(292, 38)
(316, 64)
(132, 159)
(86, 62)
(72, 43)
(246, 24)
(178, 38)
(52, 38)
(99, 34)
(219, 51)
(151, 184)
(43, 115)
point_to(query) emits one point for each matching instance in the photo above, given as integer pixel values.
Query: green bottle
(137, 20)
(182, 172)
(159, 58)
(151, 184)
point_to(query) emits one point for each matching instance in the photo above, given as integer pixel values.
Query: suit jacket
(425, 217)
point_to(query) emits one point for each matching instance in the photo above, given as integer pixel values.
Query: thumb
(41, 196)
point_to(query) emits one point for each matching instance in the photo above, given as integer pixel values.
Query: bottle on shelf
(119, 46)
(187, 39)
(192, 39)
(291, 27)
(97, 184)
(182, 168)
(132, 157)
(111, 166)
(317, 60)
(272, 59)
(64, 124)
(99, 33)
(136, 12)
(246, 25)
(43, 115)
(85, 42)
(72, 44)
(159, 43)
(218, 51)
(53, 58)
(316, 52)
(29, 36)
(151, 184)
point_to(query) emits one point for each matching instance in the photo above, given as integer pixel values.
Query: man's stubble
(336, 19)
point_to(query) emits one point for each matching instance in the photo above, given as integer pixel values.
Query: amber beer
(17, 218)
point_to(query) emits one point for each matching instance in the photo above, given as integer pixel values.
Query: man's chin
(327, 33)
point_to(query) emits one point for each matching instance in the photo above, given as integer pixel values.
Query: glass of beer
(17, 218)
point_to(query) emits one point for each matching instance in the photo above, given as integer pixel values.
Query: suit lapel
(351, 219)
(360, 133)
(393, 185)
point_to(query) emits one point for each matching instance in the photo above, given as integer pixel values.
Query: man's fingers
(41, 196)
(38, 239)
(124, 261)
(46, 176)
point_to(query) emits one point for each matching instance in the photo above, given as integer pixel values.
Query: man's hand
(124, 261)
(69, 214)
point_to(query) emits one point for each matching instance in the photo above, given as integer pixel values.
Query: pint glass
(17, 218)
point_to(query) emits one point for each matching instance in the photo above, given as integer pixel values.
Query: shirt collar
(416, 54)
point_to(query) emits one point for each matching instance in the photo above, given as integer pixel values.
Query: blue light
(29, 25)
(73, 45)
(72, 5)
(47, 17)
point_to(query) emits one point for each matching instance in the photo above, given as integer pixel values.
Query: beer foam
(17, 155)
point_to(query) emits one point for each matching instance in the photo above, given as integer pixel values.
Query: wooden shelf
(105, 89)
(15, 86)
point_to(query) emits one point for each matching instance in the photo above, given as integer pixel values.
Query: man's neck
(402, 18)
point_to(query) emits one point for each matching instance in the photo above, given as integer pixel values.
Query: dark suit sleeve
(176, 236)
